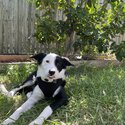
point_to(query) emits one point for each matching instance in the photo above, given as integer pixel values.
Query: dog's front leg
(60, 99)
(36, 96)
(43, 116)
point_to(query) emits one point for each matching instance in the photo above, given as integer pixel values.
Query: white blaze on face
(48, 65)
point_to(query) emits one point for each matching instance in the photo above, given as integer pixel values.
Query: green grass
(96, 97)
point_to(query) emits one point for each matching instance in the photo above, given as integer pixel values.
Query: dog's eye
(47, 61)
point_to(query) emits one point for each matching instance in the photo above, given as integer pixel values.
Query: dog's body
(48, 81)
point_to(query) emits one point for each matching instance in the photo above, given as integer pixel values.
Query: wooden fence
(17, 19)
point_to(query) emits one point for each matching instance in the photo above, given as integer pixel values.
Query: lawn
(96, 97)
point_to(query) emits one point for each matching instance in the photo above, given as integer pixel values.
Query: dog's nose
(51, 72)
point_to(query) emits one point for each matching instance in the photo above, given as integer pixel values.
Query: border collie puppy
(47, 82)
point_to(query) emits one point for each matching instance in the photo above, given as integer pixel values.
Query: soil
(99, 63)
(14, 58)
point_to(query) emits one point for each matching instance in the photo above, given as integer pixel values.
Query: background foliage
(87, 24)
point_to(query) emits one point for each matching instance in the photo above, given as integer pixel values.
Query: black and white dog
(47, 81)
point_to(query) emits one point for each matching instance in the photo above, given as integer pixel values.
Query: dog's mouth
(51, 77)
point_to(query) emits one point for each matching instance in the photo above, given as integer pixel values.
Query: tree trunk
(69, 44)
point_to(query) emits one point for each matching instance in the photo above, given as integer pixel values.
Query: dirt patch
(99, 63)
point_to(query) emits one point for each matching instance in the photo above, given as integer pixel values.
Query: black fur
(62, 63)
(39, 57)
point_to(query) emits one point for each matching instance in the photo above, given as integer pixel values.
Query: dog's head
(51, 66)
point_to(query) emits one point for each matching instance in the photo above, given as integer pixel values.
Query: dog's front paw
(12, 92)
(8, 122)
(37, 122)
(29, 94)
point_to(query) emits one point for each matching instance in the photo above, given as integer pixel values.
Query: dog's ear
(67, 62)
(39, 57)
